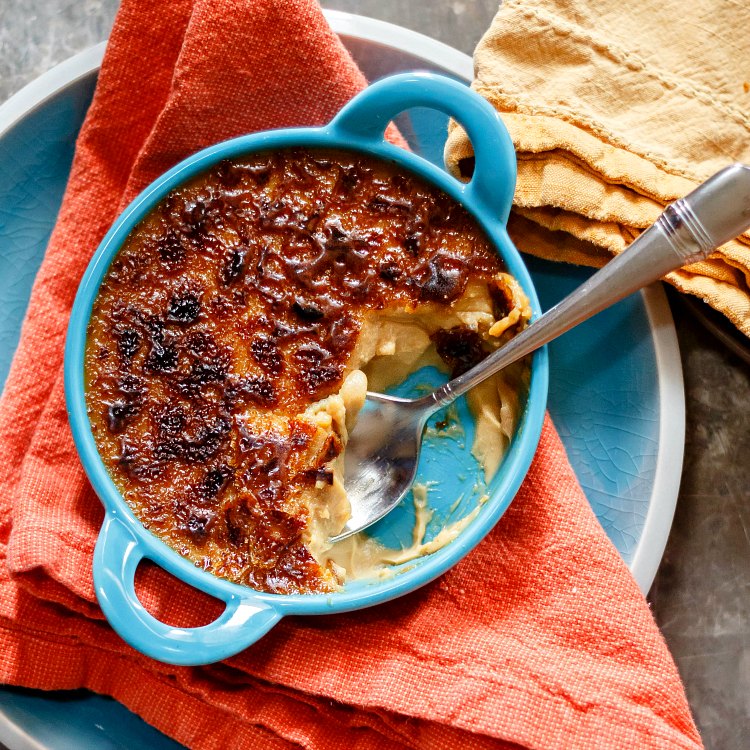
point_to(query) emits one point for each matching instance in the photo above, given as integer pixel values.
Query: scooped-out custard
(238, 328)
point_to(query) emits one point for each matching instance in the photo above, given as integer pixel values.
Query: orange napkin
(539, 638)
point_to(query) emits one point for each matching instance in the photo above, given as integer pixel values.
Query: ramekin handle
(116, 558)
(367, 115)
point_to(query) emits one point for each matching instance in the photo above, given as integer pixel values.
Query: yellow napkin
(616, 109)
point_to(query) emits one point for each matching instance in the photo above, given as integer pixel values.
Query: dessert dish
(238, 328)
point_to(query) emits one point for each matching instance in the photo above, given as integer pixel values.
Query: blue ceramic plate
(620, 415)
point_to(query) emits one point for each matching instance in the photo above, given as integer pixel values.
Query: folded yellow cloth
(617, 109)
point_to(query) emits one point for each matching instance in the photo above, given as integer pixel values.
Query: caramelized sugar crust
(230, 309)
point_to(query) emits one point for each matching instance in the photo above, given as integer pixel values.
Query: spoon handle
(689, 229)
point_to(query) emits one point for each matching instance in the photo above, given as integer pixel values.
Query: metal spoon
(383, 448)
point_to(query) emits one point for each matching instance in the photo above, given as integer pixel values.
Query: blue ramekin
(123, 542)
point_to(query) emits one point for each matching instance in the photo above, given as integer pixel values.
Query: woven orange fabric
(539, 638)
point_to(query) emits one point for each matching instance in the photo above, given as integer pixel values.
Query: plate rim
(670, 452)
(15, 736)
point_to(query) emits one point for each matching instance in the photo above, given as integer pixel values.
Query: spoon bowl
(382, 457)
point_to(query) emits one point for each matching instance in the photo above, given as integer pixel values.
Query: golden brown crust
(232, 307)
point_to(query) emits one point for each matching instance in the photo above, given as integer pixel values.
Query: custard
(235, 333)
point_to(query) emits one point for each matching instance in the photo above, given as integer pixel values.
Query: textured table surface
(701, 596)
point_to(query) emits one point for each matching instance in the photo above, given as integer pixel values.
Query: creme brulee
(236, 332)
